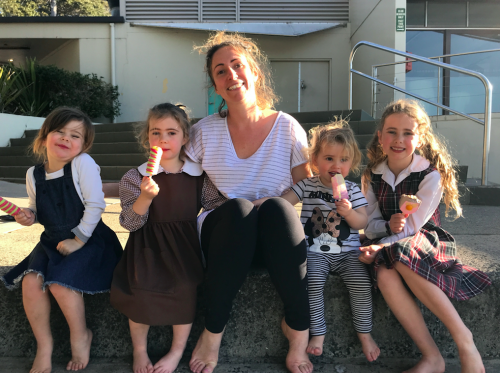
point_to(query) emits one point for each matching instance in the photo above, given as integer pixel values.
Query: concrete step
(117, 148)
(133, 159)
(367, 127)
(102, 137)
(327, 116)
(14, 150)
(99, 128)
(359, 365)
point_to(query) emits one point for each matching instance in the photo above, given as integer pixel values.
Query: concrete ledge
(253, 330)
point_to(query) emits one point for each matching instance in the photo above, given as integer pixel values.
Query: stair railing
(487, 86)
(438, 99)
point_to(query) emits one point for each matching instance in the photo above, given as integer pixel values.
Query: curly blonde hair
(335, 132)
(432, 148)
(160, 111)
(266, 98)
(57, 119)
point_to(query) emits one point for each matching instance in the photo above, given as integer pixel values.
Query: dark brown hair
(258, 63)
(56, 120)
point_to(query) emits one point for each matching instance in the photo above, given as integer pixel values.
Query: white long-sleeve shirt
(88, 185)
(429, 192)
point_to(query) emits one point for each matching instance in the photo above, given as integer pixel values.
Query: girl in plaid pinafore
(415, 248)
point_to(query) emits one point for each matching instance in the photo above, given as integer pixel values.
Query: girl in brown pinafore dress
(156, 280)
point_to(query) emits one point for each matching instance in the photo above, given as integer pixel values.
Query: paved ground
(22, 365)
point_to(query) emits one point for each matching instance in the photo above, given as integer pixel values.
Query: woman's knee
(276, 207)
(238, 208)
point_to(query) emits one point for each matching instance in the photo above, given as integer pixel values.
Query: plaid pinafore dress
(431, 252)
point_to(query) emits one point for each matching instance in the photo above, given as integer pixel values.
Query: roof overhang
(267, 28)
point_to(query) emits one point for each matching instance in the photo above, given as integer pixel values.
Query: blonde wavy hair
(160, 111)
(431, 148)
(258, 63)
(335, 132)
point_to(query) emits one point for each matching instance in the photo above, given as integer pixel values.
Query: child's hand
(344, 207)
(69, 246)
(368, 253)
(149, 188)
(260, 201)
(397, 222)
(25, 217)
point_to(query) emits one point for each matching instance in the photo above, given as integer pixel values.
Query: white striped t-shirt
(313, 194)
(267, 173)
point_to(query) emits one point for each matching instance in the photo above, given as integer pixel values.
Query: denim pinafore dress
(59, 210)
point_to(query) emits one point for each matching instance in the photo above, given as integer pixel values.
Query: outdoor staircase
(116, 151)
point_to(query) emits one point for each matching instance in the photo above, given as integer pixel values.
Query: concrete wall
(465, 142)
(13, 126)
(67, 56)
(375, 21)
(155, 65)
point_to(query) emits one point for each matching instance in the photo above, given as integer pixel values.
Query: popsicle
(409, 204)
(338, 187)
(9, 207)
(154, 160)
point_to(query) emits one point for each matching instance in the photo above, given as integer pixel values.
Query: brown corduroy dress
(155, 282)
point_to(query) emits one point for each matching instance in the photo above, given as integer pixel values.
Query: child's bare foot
(206, 353)
(297, 360)
(471, 361)
(169, 362)
(142, 363)
(428, 364)
(370, 348)
(43, 361)
(80, 352)
(315, 346)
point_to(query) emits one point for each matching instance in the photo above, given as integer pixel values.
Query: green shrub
(59, 87)
(8, 90)
(31, 100)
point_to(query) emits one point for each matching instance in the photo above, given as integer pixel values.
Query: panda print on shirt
(326, 234)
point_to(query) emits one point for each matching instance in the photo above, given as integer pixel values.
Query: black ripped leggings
(232, 235)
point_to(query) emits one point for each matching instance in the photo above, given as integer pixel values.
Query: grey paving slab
(480, 220)
(22, 365)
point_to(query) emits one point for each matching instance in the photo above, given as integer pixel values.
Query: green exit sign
(400, 19)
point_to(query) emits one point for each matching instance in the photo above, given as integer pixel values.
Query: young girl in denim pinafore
(77, 252)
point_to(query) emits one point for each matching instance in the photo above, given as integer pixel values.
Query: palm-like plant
(8, 89)
(30, 101)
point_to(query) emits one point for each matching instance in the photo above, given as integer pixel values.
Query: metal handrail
(487, 86)
(375, 73)
(439, 57)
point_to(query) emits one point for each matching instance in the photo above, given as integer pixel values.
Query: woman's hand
(69, 246)
(344, 207)
(397, 222)
(149, 188)
(368, 253)
(260, 201)
(25, 217)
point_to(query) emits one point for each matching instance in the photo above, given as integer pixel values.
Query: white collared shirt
(429, 192)
(89, 189)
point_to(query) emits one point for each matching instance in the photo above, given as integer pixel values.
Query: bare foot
(169, 362)
(206, 353)
(80, 352)
(315, 346)
(43, 361)
(428, 364)
(297, 360)
(471, 361)
(141, 363)
(370, 348)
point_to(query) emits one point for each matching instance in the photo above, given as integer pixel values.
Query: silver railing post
(439, 87)
(487, 86)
